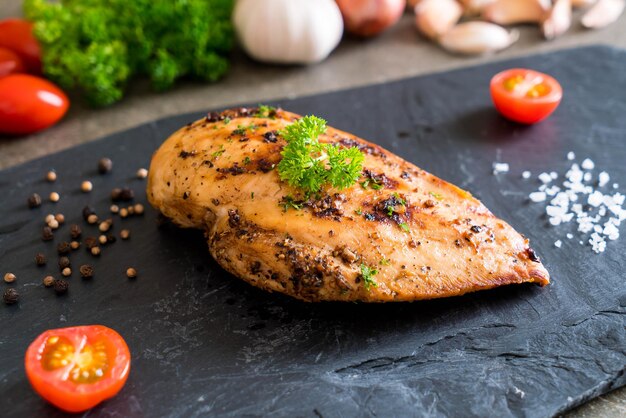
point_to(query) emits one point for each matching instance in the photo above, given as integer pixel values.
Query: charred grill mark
(233, 218)
(380, 179)
(234, 170)
(365, 148)
(186, 154)
(264, 165)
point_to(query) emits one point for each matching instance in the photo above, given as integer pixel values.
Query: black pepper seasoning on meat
(34, 201)
(75, 231)
(476, 228)
(270, 137)
(61, 286)
(40, 259)
(47, 234)
(64, 248)
(532, 255)
(11, 296)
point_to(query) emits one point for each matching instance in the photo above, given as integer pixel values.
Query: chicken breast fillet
(425, 237)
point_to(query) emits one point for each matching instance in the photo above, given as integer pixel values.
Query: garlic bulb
(436, 17)
(288, 31)
(477, 38)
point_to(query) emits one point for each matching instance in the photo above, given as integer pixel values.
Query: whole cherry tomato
(525, 96)
(17, 35)
(10, 62)
(76, 368)
(29, 104)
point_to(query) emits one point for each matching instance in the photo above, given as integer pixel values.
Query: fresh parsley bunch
(96, 46)
(309, 164)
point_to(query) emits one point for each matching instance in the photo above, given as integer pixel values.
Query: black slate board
(204, 343)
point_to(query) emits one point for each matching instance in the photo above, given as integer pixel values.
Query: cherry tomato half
(525, 96)
(10, 62)
(17, 35)
(76, 368)
(29, 104)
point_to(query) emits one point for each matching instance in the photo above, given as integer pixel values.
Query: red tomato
(10, 62)
(17, 35)
(525, 96)
(76, 368)
(29, 104)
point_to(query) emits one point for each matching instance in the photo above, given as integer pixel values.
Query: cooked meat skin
(426, 237)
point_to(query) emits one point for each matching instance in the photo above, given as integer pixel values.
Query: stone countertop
(399, 53)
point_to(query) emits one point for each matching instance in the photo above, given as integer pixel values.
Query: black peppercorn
(40, 259)
(11, 296)
(105, 165)
(34, 201)
(47, 234)
(61, 286)
(64, 248)
(123, 195)
(64, 262)
(111, 239)
(75, 231)
(88, 210)
(90, 242)
(86, 271)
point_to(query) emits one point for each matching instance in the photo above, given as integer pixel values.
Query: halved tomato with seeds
(76, 368)
(525, 96)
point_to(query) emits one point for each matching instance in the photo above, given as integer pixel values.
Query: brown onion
(370, 17)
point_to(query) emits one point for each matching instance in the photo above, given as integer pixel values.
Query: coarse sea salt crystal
(558, 243)
(554, 175)
(526, 175)
(595, 199)
(500, 168)
(545, 178)
(537, 197)
(603, 178)
(570, 236)
(587, 177)
(587, 164)
(571, 155)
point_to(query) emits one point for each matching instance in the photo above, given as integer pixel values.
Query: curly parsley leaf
(310, 165)
(367, 274)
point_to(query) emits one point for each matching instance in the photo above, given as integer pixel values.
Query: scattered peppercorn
(88, 210)
(115, 209)
(61, 286)
(95, 251)
(124, 195)
(92, 219)
(64, 248)
(74, 245)
(123, 213)
(138, 209)
(102, 239)
(75, 231)
(105, 225)
(51, 176)
(105, 165)
(131, 273)
(54, 224)
(64, 262)
(34, 201)
(90, 242)
(86, 271)
(131, 210)
(48, 281)
(66, 272)
(86, 186)
(11, 296)
(47, 234)
(55, 197)
(49, 218)
(9, 277)
(40, 259)
(124, 234)
(60, 218)
(142, 173)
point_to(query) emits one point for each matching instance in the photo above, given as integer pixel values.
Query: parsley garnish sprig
(367, 274)
(310, 165)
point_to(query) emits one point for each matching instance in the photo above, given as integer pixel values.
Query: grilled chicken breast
(425, 237)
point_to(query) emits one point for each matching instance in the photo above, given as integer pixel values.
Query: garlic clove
(477, 38)
(433, 18)
(475, 7)
(577, 4)
(603, 13)
(558, 20)
(508, 12)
